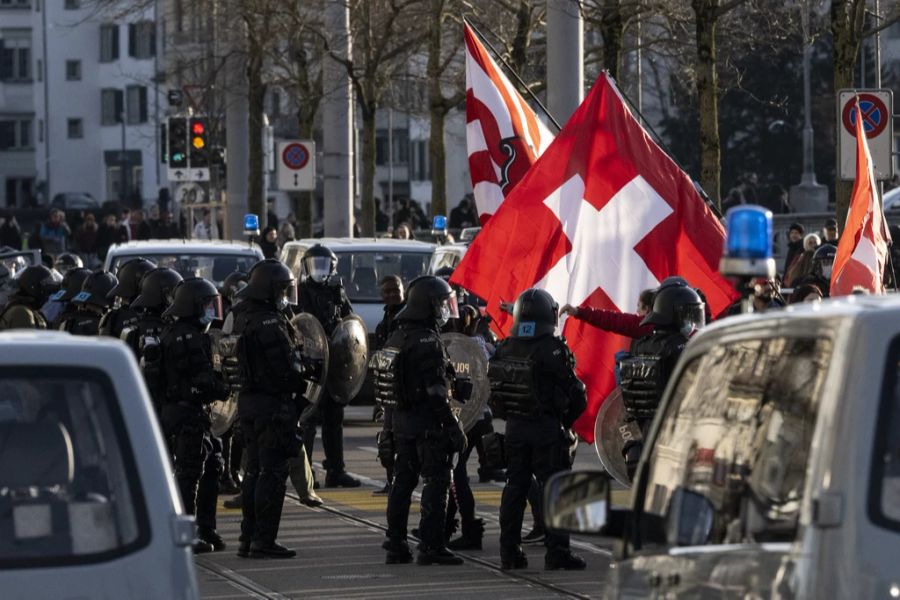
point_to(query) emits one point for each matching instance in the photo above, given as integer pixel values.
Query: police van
(88, 504)
(772, 468)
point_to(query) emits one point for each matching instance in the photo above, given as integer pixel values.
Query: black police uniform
(328, 303)
(387, 324)
(533, 384)
(191, 384)
(272, 372)
(84, 321)
(23, 311)
(118, 320)
(122, 316)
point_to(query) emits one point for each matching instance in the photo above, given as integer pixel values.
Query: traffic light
(199, 144)
(178, 137)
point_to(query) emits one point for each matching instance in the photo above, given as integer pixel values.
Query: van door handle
(827, 509)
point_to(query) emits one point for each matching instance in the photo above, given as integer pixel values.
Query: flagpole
(515, 75)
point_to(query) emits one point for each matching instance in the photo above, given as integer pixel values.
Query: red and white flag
(863, 248)
(504, 136)
(603, 214)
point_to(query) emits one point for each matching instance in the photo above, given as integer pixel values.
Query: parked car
(75, 201)
(211, 259)
(448, 255)
(88, 507)
(772, 469)
(891, 199)
(362, 263)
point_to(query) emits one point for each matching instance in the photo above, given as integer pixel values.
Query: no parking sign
(296, 165)
(877, 113)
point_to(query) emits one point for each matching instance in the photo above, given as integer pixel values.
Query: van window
(884, 494)
(361, 271)
(69, 488)
(736, 438)
(212, 267)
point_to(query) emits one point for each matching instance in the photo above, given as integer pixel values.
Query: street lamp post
(123, 173)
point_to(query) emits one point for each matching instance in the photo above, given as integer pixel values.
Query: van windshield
(737, 435)
(212, 267)
(361, 271)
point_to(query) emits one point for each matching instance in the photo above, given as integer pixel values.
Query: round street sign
(874, 112)
(295, 156)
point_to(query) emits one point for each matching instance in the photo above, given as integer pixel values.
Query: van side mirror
(577, 502)
(689, 519)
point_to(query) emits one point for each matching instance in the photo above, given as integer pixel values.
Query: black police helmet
(268, 281)
(232, 284)
(444, 273)
(95, 289)
(67, 261)
(156, 288)
(72, 282)
(319, 262)
(424, 298)
(191, 297)
(672, 281)
(35, 282)
(674, 307)
(823, 259)
(130, 275)
(535, 313)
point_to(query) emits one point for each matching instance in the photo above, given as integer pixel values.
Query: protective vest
(187, 366)
(389, 373)
(83, 322)
(18, 315)
(645, 372)
(513, 389)
(268, 351)
(326, 302)
(116, 321)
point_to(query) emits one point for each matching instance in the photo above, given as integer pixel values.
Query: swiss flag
(863, 248)
(603, 214)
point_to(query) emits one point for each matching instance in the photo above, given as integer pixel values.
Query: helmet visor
(286, 294)
(450, 307)
(318, 267)
(212, 309)
(690, 317)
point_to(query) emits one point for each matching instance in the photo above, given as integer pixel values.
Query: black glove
(386, 451)
(456, 435)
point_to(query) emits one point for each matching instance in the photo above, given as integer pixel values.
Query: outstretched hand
(569, 310)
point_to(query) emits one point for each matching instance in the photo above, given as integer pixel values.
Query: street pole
(123, 177)
(390, 202)
(337, 118)
(565, 58)
(237, 141)
(878, 45)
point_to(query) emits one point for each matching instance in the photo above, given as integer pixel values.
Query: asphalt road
(340, 555)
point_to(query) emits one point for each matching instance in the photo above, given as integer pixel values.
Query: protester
(138, 228)
(86, 236)
(794, 250)
(268, 242)
(11, 233)
(108, 233)
(807, 292)
(51, 236)
(801, 267)
(203, 229)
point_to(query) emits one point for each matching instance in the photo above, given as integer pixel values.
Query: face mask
(208, 316)
(445, 315)
(826, 272)
(282, 303)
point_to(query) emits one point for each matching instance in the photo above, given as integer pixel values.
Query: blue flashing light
(439, 223)
(251, 224)
(748, 232)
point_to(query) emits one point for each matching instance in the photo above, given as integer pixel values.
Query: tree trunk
(367, 217)
(847, 20)
(612, 29)
(256, 200)
(519, 54)
(303, 207)
(706, 15)
(436, 154)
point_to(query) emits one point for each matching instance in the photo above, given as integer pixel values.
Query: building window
(72, 4)
(421, 167)
(19, 191)
(15, 55)
(75, 128)
(399, 143)
(73, 70)
(137, 104)
(15, 3)
(109, 43)
(142, 40)
(15, 134)
(110, 106)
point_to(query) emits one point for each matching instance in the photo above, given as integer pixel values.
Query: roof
(19, 346)
(364, 244)
(179, 246)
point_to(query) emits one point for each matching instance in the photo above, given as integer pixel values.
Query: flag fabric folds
(863, 248)
(503, 134)
(603, 214)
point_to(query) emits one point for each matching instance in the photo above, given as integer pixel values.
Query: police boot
(313, 500)
(211, 537)
(234, 503)
(513, 558)
(563, 559)
(536, 535)
(202, 546)
(487, 474)
(436, 556)
(270, 550)
(341, 479)
(227, 485)
(244, 549)
(472, 533)
(398, 553)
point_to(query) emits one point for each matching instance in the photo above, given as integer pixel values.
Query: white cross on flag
(603, 214)
(503, 135)
(862, 251)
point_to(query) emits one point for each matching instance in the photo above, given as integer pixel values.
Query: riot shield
(349, 348)
(315, 348)
(222, 414)
(473, 388)
(608, 440)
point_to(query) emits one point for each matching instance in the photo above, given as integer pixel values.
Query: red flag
(602, 215)
(503, 134)
(863, 248)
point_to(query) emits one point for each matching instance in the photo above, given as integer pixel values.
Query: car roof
(18, 346)
(365, 244)
(179, 246)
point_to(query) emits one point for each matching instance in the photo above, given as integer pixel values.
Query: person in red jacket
(627, 324)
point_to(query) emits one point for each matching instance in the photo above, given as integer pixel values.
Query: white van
(88, 504)
(772, 469)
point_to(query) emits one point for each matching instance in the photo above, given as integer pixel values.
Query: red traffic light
(197, 128)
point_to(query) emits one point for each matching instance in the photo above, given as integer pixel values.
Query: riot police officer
(533, 384)
(33, 286)
(413, 378)
(191, 383)
(822, 263)
(91, 304)
(272, 372)
(122, 316)
(60, 307)
(66, 262)
(232, 284)
(142, 337)
(323, 296)
(677, 313)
